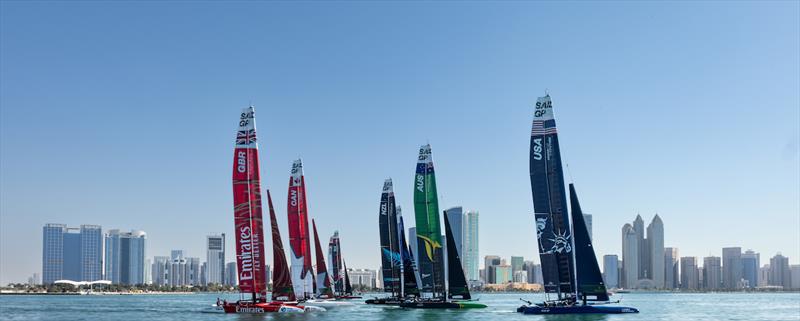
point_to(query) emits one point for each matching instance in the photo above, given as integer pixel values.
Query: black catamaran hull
(578, 309)
(443, 305)
(384, 301)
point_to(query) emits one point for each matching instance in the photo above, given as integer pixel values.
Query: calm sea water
(653, 306)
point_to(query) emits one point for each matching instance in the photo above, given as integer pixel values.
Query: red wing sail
(302, 275)
(247, 208)
(281, 279)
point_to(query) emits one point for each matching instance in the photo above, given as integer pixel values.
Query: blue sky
(124, 114)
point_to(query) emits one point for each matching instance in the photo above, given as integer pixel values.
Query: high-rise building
(529, 266)
(456, 217)
(159, 270)
(215, 258)
(690, 275)
(641, 246)
(363, 277)
(712, 272)
(610, 269)
(192, 271)
(671, 268)
(794, 272)
(731, 267)
(750, 265)
(125, 256)
(502, 274)
(71, 253)
(231, 277)
(588, 219)
(537, 274)
(176, 254)
(779, 272)
(655, 242)
(471, 257)
(412, 243)
(516, 263)
(763, 275)
(489, 264)
(521, 276)
(204, 273)
(630, 256)
(148, 271)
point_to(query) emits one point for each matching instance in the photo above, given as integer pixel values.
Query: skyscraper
(159, 270)
(215, 257)
(610, 269)
(412, 243)
(690, 275)
(125, 256)
(779, 272)
(643, 259)
(712, 272)
(731, 267)
(750, 265)
(588, 219)
(231, 277)
(529, 267)
(794, 271)
(456, 217)
(516, 263)
(671, 268)
(471, 257)
(71, 253)
(630, 256)
(489, 264)
(502, 274)
(655, 242)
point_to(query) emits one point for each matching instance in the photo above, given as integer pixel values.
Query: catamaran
(249, 227)
(569, 264)
(398, 278)
(341, 290)
(324, 291)
(431, 260)
(302, 272)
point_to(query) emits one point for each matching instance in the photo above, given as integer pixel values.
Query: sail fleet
(435, 280)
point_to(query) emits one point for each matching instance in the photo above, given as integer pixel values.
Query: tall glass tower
(470, 247)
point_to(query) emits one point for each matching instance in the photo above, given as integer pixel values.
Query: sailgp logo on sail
(537, 149)
(245, 252)
(241, 162)
(244, 120)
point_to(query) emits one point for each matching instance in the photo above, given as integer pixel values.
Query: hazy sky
(124, 114)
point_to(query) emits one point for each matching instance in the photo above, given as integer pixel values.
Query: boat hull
(578, 309)
(263, 307)
(347, 297)
(327, 304)
(443, 305)
(384, 301)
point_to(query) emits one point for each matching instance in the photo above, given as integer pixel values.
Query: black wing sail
(590, 281)
(457, 286)
(348, 288)
(549, 203)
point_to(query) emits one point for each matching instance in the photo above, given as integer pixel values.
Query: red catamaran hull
(262, 307)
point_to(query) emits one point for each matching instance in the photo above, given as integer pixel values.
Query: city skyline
(84, 121)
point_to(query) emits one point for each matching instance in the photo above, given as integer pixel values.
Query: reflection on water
(653, 306)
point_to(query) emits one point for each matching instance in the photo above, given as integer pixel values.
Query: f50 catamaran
(569, 265)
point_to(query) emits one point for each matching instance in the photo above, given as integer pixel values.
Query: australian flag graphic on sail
(246, 137)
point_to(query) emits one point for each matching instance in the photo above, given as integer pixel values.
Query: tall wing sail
(457, 281)
(410, 286)
(281, 278)
(348, 288)
(390, 255)
(298, 233)
(549, 202)
(335, 258)
(324, 289)
(429, 233)
(590, 281)
(247, 207)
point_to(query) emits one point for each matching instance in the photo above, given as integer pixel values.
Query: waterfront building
(363, 277)
(71, 253)
(712, 272)
(125, 256)
(471, 257)
(516, 263)
(763, 275)
(159, 270)
(655, 243)
(671, 268)
(192, 271)
(690, 275)
(794, 272)
(175, 254)
(750, 265)
(630, 256)
(610, 271)
(204, 273)
(731, 267)
(521, 276)
(502, 274)
(779, 272)
(231, 277)
(215, 259)
(641, 246)
(489, 264)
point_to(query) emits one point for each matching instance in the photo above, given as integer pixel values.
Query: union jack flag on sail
(246, 137)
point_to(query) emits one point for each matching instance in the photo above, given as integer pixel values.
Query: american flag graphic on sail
(539, 129)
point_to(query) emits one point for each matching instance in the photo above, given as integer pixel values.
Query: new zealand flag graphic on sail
(246, 137)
